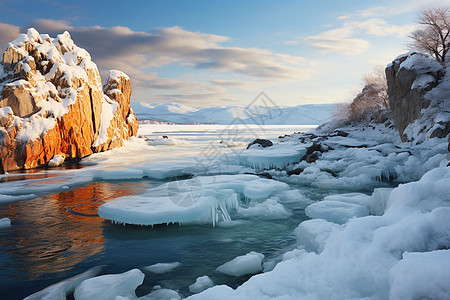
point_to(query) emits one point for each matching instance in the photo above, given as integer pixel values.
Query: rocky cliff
(419, 96)
(53, 107)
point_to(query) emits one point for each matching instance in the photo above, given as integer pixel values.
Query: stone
(262, 142)
(51, 104)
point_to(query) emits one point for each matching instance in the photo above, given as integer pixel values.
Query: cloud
(132, 51)
(7, 34)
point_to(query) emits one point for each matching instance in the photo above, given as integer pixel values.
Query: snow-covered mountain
(310, 114)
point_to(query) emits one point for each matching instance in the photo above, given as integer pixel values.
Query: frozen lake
(57, 234)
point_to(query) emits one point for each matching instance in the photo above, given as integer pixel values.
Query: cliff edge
(53, 107)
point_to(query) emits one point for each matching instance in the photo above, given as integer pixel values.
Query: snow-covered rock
(52, 103)
(419, 96)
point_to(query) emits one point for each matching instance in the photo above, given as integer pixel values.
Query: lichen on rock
(52, 103)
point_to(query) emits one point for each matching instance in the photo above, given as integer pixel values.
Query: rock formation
(419, 96)
(52, 104)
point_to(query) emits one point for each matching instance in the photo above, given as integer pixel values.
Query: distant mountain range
(309, 114)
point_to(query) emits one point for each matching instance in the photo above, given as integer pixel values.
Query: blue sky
(207, 53)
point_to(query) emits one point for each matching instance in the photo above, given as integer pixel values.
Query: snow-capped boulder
(419, 96)
(52, 103)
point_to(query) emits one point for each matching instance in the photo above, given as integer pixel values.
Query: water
(59, 235)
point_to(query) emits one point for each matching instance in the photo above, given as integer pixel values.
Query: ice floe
(161, 268)
(200, 200)
(250, 263)
(201, 283)
(5, 222)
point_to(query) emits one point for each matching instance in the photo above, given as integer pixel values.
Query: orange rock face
(52, 103)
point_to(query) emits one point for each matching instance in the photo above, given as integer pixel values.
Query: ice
(161, 268)
(161, 294)
(60, 290)
(278, 156)
(5, 222)
(368, 257)
(201, 284)
(312, 234)
(57, 160)
(200, 200)
(335, 211)
(165, 141)
(269, 209)
(107, 287)
(250, 263)
(11, 198)
(421, 276)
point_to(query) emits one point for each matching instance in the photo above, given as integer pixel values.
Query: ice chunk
(269, 209)
(57, 160)
(200, 200)
(250, 263)
(5, 222)
(421, 276)
(11, 198)
(107, 287)
(161, 294)
(161, 268)
(60, 290)
(335, 211)
(271, 158)
(312, 234)
(201, 284)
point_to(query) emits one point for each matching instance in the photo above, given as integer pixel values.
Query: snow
(116, 75)
(107, 287)
(5, 222)
(335, 211)
(250, 263)
(57, 160)
(421, 276)
(6, 111)
(368, 257)
(161, 268)
(200, 200)
(109, 108)
(270, 209)
(201, 284)
(60, 290)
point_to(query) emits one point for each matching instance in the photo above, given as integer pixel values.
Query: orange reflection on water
(53, 233)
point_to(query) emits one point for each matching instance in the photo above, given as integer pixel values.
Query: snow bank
(161, 268)
(201, 284)
(107, 287)
(368, 257)
(250, 263)
(200, 200)
(335, 211)
(421, 276)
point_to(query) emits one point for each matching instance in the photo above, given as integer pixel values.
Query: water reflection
(51, 234)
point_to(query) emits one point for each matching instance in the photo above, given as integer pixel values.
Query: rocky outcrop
(261, 143)
(52, 104)
(419, 96)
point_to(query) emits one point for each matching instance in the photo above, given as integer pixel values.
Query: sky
(215, 53)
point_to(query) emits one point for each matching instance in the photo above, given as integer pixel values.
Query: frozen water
(60, 290)
(57, 160)
(161, 268)
(421, 276)
(366, 258)
(161, 294)
(5, 222)
(201, 200)
(269, 209)
(335, 211)
(250, 263)
(107, 287)
(277, 156)
(201, 284)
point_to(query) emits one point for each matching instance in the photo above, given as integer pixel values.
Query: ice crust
(336, 211)
(5, 222)
(275, 157)
(250, 263)
(200, 200)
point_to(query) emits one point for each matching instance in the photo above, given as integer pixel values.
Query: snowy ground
(368, 244)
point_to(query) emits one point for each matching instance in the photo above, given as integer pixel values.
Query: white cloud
(337, 40)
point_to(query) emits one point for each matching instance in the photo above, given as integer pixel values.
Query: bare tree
(433, 36)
